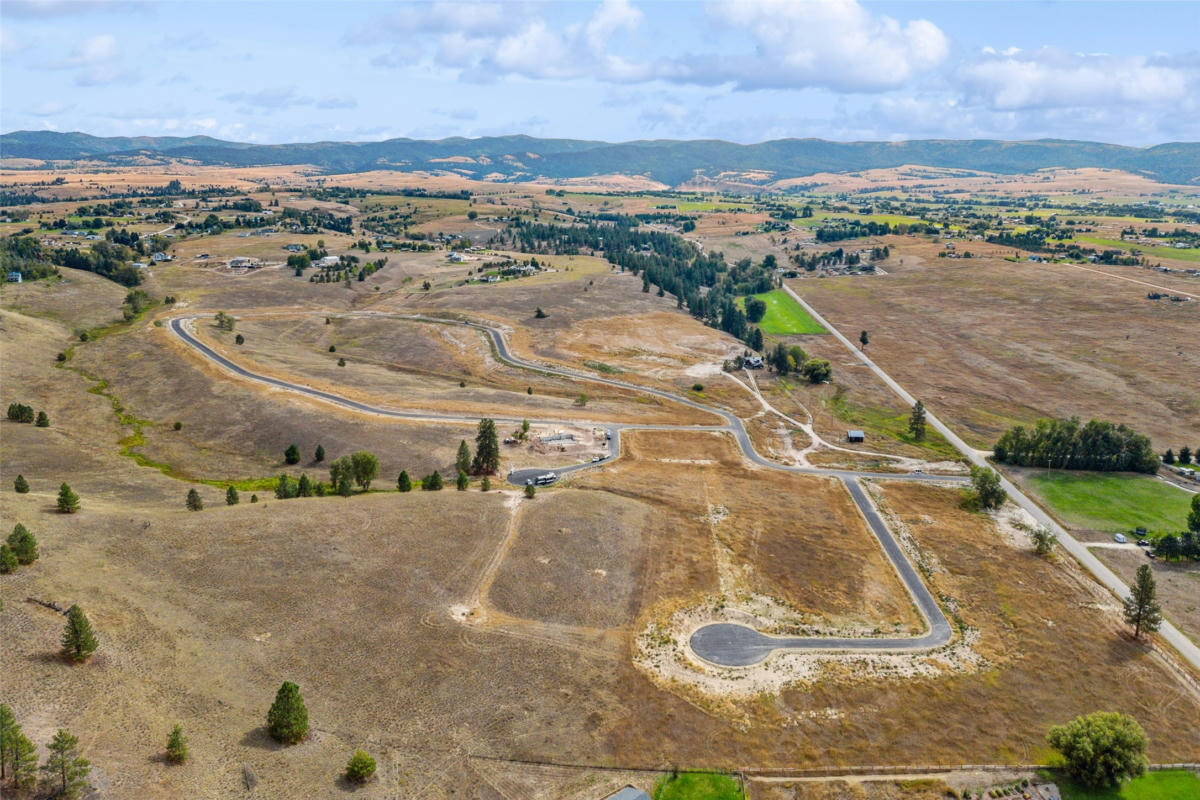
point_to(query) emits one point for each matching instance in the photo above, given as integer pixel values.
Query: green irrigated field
(698, 786)
(785, 316)
(1113, 501)
(1158, 251)
(1176, 784)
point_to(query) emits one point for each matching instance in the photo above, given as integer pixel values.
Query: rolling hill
(668, 161)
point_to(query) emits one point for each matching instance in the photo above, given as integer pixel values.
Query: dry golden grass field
(987, 343)
(458, 635)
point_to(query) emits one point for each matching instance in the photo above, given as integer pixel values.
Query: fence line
(751, 773)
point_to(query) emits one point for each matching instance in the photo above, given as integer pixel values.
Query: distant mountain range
(671, 162)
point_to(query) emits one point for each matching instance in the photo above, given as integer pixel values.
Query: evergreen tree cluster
(1066, 444)
(701, 282)
(19, 412)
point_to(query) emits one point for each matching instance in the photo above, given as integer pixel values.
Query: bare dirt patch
(577, 560)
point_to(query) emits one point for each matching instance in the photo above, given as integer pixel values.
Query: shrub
(178, 425)
(530, 490)
(20, 485)
(697, 387)
(177, 751)
(43, 421)
(360, 767)
(193, 502)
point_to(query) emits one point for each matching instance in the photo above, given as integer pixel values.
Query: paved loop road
(721, 643)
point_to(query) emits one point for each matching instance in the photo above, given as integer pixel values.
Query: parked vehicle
(1120, 538)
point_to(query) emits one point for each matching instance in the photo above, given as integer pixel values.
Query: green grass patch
(784, 315)
(880, 421)
(1113, 501)
(698, 786)
(600, 366)
(1158, 251)
(1176, 784)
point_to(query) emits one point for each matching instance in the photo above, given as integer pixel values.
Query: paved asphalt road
(729, 645)
(1172, 635)
(734, 645)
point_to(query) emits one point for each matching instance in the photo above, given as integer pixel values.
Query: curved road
(721, 643)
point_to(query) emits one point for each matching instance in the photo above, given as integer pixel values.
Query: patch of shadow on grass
(347, 785)
(260, 738)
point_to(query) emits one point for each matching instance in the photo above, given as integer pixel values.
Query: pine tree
(43, 421)
(462, 483)
(24, 544)
(8, 730)
(64, 768)
(68, 501)
(485, 485)
(177, 751)
(1142, 610)
(463, 460)
(404, 483)
(864, 340)
(304, 487)
(1185, 455)
(360, 767)
(194, 503)
(8, 560)
(20, 485)
(287, 720)
(487, 448)
(231, 496)
(292, 454)
(78, 641)
(284, 490)
(433, 482)
(343, 486)
(916, 422)
(1169, 456)
(22, 761)
(319, 455)
(1193, 519)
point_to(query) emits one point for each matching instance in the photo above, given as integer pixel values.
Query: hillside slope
(668, 161)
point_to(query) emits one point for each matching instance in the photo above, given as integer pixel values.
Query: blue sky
(1125, 72)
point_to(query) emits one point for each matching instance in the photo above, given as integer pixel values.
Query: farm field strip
(785, 317)
(1113, 503)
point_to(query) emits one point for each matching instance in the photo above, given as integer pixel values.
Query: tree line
(1066, 444)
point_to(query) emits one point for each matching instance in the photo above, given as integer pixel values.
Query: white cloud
(337, 103)
(833, 44)
(10, 44)
(1051, 78)
(50, 108)
(43, 9)
(441, 17)
(97, 61)
(272, 98)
